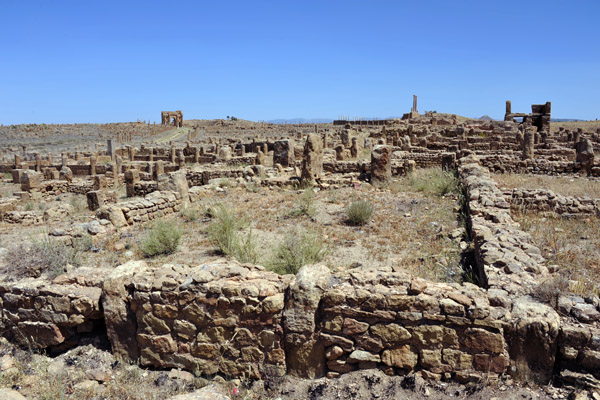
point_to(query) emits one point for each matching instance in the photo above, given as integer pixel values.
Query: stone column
(172, 154)
(260, 158)
(312, 161)
(117, 170)
(24, 152)
(414, 107)
(93, 164)
(196, 155)
(354, 149)
(17, 161)
(151, 155)
(381, 167)
(132, 176)
(181, 158)
(159, 168)
(528, 145)
(283, 153)
(38, 162)
(508, 107)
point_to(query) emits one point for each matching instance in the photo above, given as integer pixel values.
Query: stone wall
(154, 205)
(38, 315)
(547, 202)
(217, 318)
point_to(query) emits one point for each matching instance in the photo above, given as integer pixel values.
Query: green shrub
(305, 205)
(359, 212)
(225, 232)
(162, 238)
(297, 249)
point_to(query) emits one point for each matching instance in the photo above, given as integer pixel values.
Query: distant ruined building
(539, 117)
(174, 118)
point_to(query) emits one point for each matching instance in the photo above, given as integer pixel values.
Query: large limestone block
(532, 339)
(306, 352)
(283, 153)
(121, 325)
(175, 182)
(381, 166)
(31, 180)
(312, 163)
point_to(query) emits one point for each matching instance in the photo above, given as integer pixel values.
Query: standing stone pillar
(381, 166)
(196, 155)
(63, 160)
(172, 154)
(577, 137)
(260, 158)
(265, 148)
(38, 162)
(93, 164)
(151, 154)
(508, 107)
(77, 156)
(345, 137)
(159, 168)
(24, 152)
(585, 154)
(50, 160)
(283, 153)
(326, 143)
(339, 153)
(528, 145)
(181, 158)
(17, 161)
(117, 171)
(354, 149)
(312, 161)
(110, 149)
(242, 149)
(132, 176)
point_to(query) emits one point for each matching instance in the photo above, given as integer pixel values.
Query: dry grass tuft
(571, 244)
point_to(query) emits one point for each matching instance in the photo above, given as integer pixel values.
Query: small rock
(9, 394)
(87, 385)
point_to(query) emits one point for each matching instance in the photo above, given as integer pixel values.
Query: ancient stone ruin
(218, 316)
(174, 118)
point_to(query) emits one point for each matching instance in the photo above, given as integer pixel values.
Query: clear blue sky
(109, 61)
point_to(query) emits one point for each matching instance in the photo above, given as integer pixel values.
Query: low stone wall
(142, 188)
(218, 318)
(506, 257)
(538, 166)
(400, 324)
(39, 315)
(154, 205)
(55, 187)
(22, 217)
(199, 178)
(546, 201)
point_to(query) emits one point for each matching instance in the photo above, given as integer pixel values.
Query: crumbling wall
(38, 315)
(547, 202)
(217, 318)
